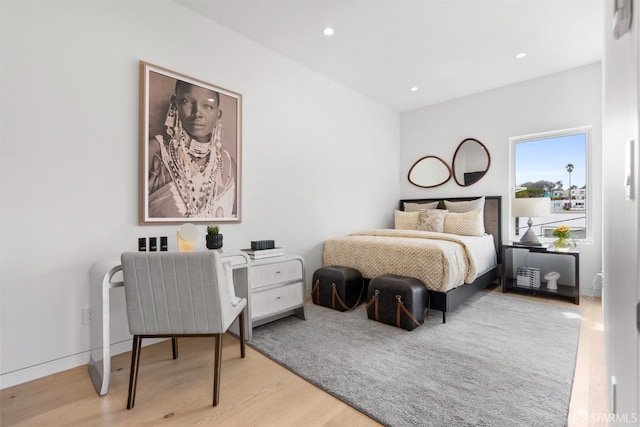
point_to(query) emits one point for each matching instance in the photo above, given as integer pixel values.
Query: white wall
(560, 101)
(319, 160)
(621, 216)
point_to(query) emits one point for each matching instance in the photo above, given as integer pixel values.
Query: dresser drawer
(268, 274)
(277, 300)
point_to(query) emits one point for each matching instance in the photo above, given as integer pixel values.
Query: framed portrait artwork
(190, 149)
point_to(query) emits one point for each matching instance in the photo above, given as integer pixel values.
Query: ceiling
(445, 48)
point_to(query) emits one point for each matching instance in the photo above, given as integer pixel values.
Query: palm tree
(569, 168)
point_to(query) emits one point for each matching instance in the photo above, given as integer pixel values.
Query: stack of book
(264, 253)
(528, 277)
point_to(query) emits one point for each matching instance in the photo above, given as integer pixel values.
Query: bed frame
(449, 300)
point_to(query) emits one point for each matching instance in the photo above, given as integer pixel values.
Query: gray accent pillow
(466, 206)
(413, 207)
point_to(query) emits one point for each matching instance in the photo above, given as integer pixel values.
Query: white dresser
(276, 289)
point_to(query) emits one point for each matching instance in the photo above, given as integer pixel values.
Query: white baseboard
(591, 292)
(44, 369)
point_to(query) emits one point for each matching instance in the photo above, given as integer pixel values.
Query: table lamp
(186, 236)
(530, 206)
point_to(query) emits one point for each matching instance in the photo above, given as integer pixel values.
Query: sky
(546, 159)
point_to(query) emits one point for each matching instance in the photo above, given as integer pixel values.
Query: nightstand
(547, 260)
(276, 289)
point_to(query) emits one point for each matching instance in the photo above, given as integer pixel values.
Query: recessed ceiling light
(414, 88)
(328, 31)
(521, 55)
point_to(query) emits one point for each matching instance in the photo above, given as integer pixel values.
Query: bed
(454, 263)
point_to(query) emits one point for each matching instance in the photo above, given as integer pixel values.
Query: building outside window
(555, 165)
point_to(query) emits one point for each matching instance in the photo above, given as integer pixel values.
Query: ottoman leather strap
(335, 295)
(401, 308)
(315, 293)
(374, 301)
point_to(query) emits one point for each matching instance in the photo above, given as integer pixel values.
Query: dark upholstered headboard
(492, 215)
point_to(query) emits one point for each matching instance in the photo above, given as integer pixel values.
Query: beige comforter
(441, 261)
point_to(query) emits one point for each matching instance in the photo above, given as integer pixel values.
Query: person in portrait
(190, 174)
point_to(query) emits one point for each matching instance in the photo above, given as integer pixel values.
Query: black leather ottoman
(398, 301)
(337, 287)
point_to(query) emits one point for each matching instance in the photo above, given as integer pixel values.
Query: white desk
(105, 276)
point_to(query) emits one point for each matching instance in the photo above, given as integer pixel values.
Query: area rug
(498, 361)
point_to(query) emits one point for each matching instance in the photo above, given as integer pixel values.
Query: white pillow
(432, 220)
(406, 220)
(228, 278)
(465, 224)
(412, 207)
(465, 206)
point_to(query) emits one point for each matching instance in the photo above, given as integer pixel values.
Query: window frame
(587, 131)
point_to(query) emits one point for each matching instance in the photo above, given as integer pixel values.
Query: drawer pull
(278, 297)
(278, 272)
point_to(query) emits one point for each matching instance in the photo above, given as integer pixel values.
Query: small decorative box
(258, 245)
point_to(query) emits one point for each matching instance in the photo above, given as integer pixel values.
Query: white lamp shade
(531, 206)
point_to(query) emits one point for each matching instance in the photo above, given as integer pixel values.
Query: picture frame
(190, 149)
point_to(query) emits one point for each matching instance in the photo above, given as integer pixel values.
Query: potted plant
(563, 233)
(214, 238)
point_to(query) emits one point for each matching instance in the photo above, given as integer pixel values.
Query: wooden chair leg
(217, 364)
(174, 347)
(241, 325)
(133, 377)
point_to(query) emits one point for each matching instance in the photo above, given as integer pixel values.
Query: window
(554, 165)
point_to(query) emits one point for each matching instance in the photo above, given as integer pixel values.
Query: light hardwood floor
(254, 391)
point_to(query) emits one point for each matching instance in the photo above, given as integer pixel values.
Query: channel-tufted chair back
(171, 294)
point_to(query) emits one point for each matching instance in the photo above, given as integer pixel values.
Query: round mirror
(470, 162)
(429, 171)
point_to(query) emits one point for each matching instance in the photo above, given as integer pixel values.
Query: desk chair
(173, 294)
